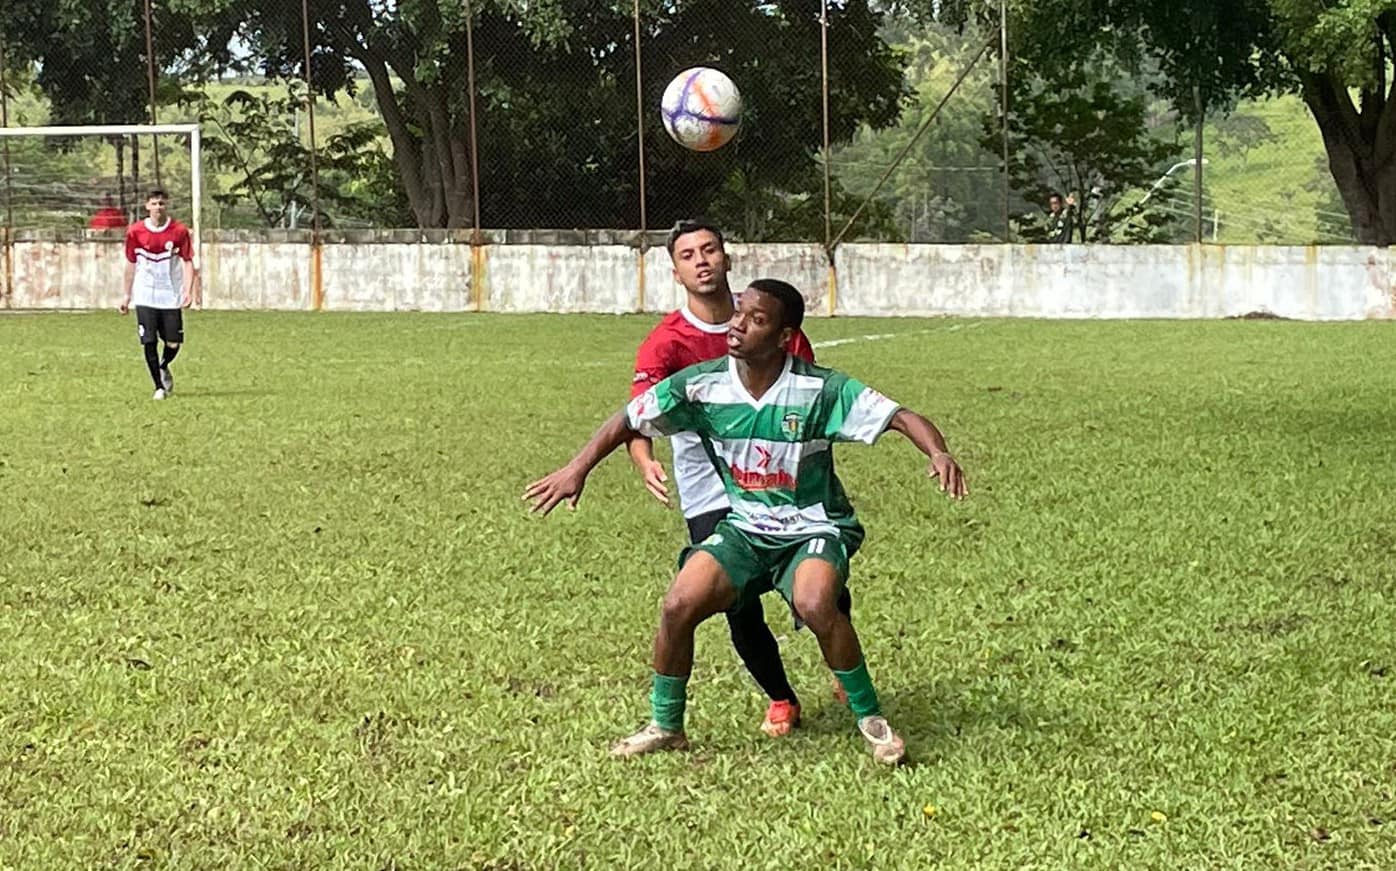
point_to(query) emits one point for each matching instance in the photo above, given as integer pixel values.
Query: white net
(94, 178)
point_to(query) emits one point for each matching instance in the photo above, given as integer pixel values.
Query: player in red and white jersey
(160, 284)
(693, 334)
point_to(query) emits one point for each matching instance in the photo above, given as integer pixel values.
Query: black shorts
(701, 526)
(161, 323)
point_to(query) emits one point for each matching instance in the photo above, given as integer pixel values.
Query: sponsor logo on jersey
(756, 479)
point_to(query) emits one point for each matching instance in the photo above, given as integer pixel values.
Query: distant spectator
(1061, 218)
(108, 217)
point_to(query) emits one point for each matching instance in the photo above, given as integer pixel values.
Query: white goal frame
(196, 187)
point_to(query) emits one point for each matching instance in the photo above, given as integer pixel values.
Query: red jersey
(681, 340)
(108, 218)
(159, 254)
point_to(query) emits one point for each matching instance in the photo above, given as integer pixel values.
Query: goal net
(87, 184)
(97, 177)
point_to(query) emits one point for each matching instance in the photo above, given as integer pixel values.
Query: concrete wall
(411, 270)
(1116, 281)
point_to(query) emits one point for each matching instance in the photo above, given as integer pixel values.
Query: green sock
(862, 698)
(668, 697)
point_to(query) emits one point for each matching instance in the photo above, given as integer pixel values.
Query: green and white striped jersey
(774, 453)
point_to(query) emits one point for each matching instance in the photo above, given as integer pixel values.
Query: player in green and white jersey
(767, 421)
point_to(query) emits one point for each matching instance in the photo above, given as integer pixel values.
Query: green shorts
(757, 563)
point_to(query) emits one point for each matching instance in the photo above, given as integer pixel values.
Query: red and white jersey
(159, 254)
(677, 342)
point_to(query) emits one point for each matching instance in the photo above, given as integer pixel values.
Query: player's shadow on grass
(940, 712)
(217, 393)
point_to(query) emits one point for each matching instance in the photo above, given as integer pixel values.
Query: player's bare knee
(681, 608)
(818, 610)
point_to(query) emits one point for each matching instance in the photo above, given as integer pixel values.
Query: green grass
(1280, 191)
(297, 617)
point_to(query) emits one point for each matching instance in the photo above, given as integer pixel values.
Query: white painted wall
(243, 271)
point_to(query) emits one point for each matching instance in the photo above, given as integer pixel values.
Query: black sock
(152, 362)
(759, 652)
(170, 351)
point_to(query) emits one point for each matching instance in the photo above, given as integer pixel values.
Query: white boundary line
(878, 337)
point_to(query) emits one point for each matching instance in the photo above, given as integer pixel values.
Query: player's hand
(656, 481)
(952, 477)
(125, 306)
(186, 300)
(564, 485)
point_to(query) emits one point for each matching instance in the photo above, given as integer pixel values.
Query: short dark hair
(695, 225)
(792, 304)
(1054, 196)
(157, 193)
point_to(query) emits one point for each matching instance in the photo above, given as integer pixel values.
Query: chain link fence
(497, 118)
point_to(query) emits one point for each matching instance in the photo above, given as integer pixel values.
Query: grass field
(296, 617)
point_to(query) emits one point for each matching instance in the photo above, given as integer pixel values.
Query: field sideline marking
(877, 337)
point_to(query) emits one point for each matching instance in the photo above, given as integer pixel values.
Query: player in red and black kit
(161, 285)
(693, 334)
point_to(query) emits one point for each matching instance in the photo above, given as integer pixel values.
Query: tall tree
(947, 190)
(556, 96)
(1077, 134)
(555, 89)
(268, 161)
(1336, 54)
(90, 55)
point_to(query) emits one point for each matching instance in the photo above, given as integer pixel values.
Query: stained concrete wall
(438, 271)
(1108, 281)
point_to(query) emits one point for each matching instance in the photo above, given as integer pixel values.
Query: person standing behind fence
(108, 217)
(160, 284)
(1061, 218)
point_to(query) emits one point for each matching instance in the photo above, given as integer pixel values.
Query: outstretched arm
(566, 483)
(930, 442)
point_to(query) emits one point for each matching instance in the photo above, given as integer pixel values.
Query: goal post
(58, 175)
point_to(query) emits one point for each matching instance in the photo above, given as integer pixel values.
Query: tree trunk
(433, 164)
(445, 192)
(1361, 155)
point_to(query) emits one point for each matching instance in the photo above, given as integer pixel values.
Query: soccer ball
(702, 109)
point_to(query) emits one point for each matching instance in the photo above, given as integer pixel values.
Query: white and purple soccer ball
(702, 109)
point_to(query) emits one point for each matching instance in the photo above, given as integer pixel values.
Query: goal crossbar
(195, 158)
(191, 130)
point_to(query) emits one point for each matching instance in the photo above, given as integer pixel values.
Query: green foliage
(1240, 132)
(1212, 53)
(258, 143)
(948, 188)
(91, 54)
(305, 618)
(556, 97)
(1280, 191)
(556, 123)
(1075, 134)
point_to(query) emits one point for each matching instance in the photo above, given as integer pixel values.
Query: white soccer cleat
(167, 381)
(887, 746)
(159, 393)
(650, 739)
